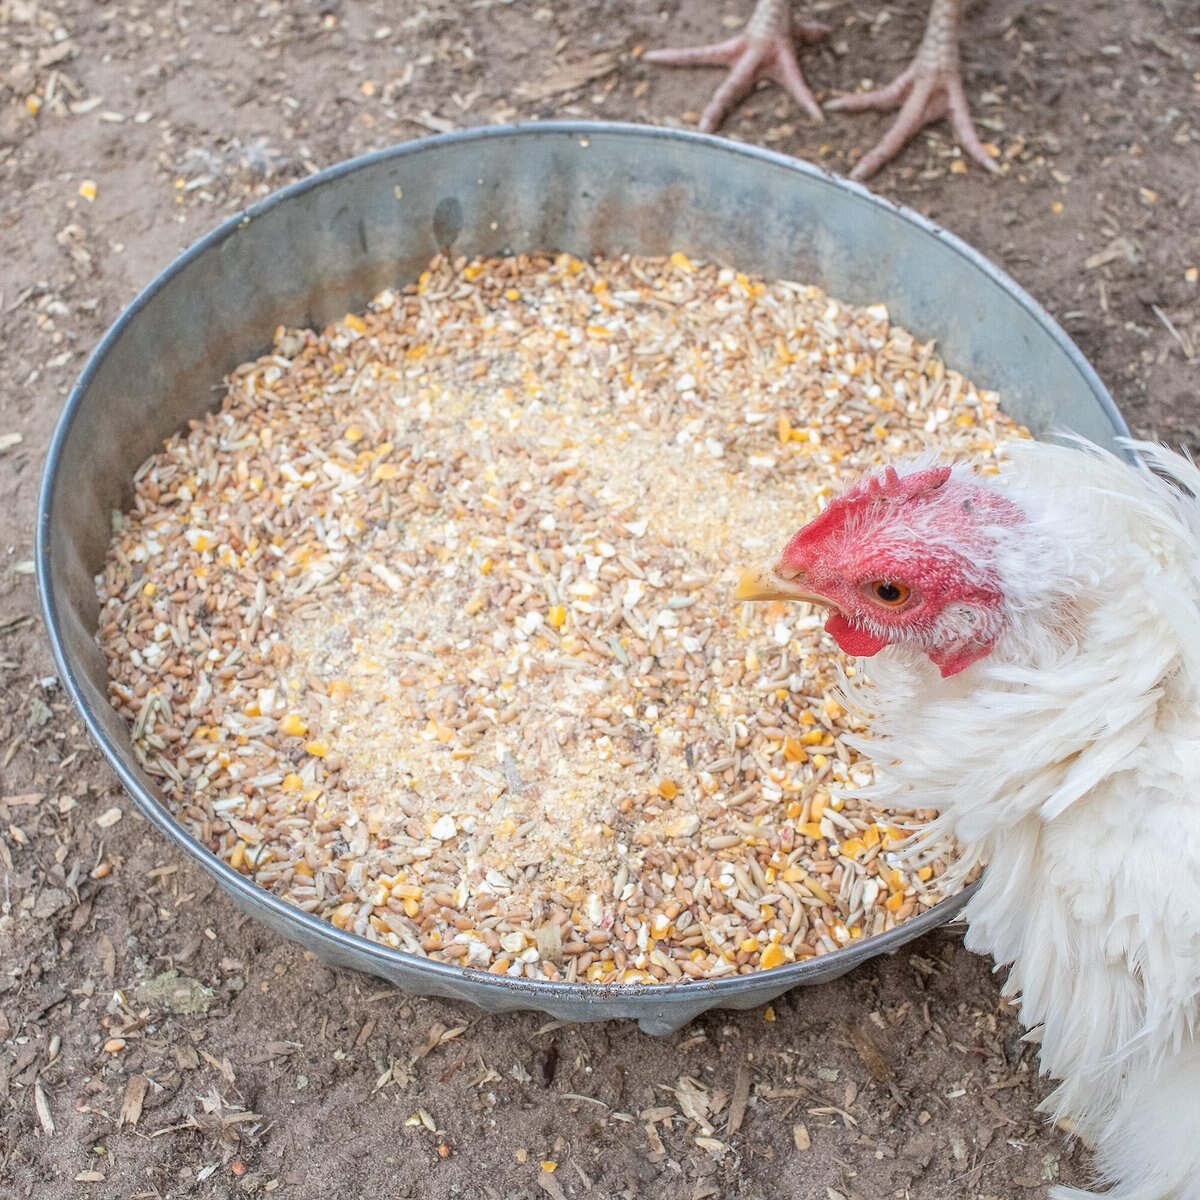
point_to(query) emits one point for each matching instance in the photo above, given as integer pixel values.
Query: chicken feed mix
(429, 630)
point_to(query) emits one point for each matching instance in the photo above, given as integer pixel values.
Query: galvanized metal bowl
(325, 246)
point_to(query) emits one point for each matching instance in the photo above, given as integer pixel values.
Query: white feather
(1069, 761)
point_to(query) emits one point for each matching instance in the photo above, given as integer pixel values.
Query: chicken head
(903, 557)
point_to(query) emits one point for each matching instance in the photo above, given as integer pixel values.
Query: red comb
(887, 485)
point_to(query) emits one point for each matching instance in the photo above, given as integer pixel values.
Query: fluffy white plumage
(1069, 761)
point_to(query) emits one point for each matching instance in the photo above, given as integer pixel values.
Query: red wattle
(852, 639)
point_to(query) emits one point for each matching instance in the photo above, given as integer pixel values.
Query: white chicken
(1042, 690)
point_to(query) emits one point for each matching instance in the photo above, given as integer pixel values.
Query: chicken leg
(765, 49)
(930, 88)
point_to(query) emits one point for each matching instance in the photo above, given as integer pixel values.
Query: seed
(772, 956)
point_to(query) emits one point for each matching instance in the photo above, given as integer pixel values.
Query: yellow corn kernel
(838, 802)
(149, 588)
(681, 260)
(794, 810)
(238, 856)
(352, 321)
(557, 616)
(339, 689)
(472, 271)
(856, 931)
(819, 803)
(293, 725)
(512, 294)
(925, 874)
(772, 956)
(487, 566)
(817, 889)
(783, 427)
(853, 847)
(819, 760)
(871, 836)
(769, 1013)
(292, 783)
(386, 471)
(88, 190)
(317, 749)
(748, 945)
(895, 902)
(411, 907)
(793, 751)
(813, 736)
(810, 829)
(353, 433)
(893, 879)
(668, 789)
(33, 105)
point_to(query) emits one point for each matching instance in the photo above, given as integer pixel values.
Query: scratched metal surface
(326, 245)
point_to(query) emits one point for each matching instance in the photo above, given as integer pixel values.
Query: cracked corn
(428, 628)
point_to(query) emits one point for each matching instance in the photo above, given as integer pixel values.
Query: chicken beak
(765, 583)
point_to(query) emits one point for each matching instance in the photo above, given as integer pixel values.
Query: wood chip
(866, 1043)
(739, 1100)
(131, 1105)
(42, 1105)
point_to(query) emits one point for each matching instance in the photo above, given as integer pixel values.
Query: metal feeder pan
(328, 244)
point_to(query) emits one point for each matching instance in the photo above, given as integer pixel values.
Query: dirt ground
(257, 1069)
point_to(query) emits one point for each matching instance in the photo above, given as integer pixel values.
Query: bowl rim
(309, 929)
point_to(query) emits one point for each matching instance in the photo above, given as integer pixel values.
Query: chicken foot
(765, 49)
(930, 88)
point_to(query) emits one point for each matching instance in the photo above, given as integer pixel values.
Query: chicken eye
(889, 594)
